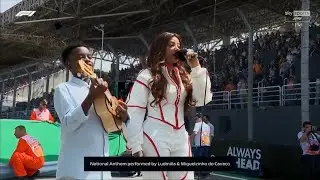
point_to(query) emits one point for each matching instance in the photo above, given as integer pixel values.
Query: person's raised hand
(122, 110)
(98, 87)
(192, 59)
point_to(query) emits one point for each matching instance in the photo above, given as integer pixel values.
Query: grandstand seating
(276, 82)
(38, 90)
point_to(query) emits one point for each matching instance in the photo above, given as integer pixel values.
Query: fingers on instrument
(105, 84)
(121, 108)
(123, 104)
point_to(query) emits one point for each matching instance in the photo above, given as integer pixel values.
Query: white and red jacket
(171, 109)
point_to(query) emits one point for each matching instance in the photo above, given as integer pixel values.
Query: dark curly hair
(68, 50)
(155, 60)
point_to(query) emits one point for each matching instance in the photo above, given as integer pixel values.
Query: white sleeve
(137, 105)
(196, 128)
(199, 76)
(300, 135)
(212, 130)
(71, 115)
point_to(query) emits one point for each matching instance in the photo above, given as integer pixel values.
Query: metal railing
(286, 95)
(262, 96)
(220, 100)
(289, 94)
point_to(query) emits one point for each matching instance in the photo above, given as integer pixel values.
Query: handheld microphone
(183, 52)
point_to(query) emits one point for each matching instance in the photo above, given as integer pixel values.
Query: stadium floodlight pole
(250, 76)
(116, 69)
(101, 28)
(213, 37)
(189, 31)
(29, 87)
(305, 6)
(144, 41)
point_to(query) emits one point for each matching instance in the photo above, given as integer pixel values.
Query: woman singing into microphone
(157, 102)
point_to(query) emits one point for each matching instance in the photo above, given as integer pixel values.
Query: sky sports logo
(298, 13)
(297, 16)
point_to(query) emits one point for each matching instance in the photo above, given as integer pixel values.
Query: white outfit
(81, 135)
(311, 139)
(162, 133)
(204, 132)
(211, 129)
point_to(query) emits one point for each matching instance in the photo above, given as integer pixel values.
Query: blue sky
(7, 4)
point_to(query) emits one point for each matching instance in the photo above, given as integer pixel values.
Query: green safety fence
(49, 137)
(47, 134)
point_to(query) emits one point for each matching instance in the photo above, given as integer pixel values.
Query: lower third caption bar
(159, 164)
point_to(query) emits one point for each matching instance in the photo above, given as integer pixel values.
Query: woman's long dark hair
(155, 60)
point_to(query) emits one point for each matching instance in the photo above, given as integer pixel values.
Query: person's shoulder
(145, 73)
(61, 89)
(145, 76)
(196, 126)
(198, 123)
(208, 125)
(61, 86)
(300, 134)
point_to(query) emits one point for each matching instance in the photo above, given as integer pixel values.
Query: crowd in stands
(233, 72)
(275, 59)
(275, 56)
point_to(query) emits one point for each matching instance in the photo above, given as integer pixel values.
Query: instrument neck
(93, 78)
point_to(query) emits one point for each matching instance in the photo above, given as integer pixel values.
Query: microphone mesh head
(181, 55)
(184, 51)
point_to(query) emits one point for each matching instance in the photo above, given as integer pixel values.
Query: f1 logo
(25, 13)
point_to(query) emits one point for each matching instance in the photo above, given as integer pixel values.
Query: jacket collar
(166, 72)
(80, 82)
